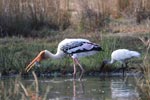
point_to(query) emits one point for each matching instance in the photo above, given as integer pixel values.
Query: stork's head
(104, 62)
(36, 60)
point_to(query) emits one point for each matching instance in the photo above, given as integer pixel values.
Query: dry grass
(21, 17)
(128, 26)
(37, 17)
(143, 81)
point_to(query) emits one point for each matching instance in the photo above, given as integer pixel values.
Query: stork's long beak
(39, 57)
(102, 66)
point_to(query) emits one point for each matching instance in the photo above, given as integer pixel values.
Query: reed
(38, 18)
(15, 89)
(143, 81)
(24, 17)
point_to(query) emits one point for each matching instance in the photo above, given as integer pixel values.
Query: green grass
(16, 53)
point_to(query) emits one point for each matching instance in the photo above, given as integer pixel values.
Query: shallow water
(89, 88)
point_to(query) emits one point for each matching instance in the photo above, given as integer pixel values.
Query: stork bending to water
(76, 48)
(122, 56)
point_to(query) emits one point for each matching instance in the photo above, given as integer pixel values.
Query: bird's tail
(98, 48)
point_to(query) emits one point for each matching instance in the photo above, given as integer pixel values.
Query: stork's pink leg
(74, 68)
(77, 62)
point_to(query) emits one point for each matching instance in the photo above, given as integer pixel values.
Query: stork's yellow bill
(39, 57)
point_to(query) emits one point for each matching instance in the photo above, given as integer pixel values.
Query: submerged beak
(102, 66)
(39, 57)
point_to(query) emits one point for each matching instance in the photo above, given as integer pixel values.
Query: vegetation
(29, 26)
(143, 81)
(15, 89)
(16, 53)
(42, 18)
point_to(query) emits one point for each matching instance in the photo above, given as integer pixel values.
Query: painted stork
(75, 48)
(122, 56)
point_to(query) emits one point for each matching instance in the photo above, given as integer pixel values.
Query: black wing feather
(72, 45)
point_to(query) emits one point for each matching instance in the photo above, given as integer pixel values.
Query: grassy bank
(16, 53)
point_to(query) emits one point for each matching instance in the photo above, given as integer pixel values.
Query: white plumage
(75, 48)
(122, 56)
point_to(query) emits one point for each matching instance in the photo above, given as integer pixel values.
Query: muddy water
(89, 88)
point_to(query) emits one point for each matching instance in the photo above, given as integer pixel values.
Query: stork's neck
(111, 61)
(48, 54)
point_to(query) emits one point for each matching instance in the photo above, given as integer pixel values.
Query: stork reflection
(78, 89)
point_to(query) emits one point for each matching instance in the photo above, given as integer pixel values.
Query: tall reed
(21, 17)
(32, 17)
(143, 81)
(15, 89)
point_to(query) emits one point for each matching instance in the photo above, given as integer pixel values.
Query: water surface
(89, 88)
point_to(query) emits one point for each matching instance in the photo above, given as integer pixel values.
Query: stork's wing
(80, 46)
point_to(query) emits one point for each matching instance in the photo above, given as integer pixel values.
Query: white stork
(75, 48)
(122, 56)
